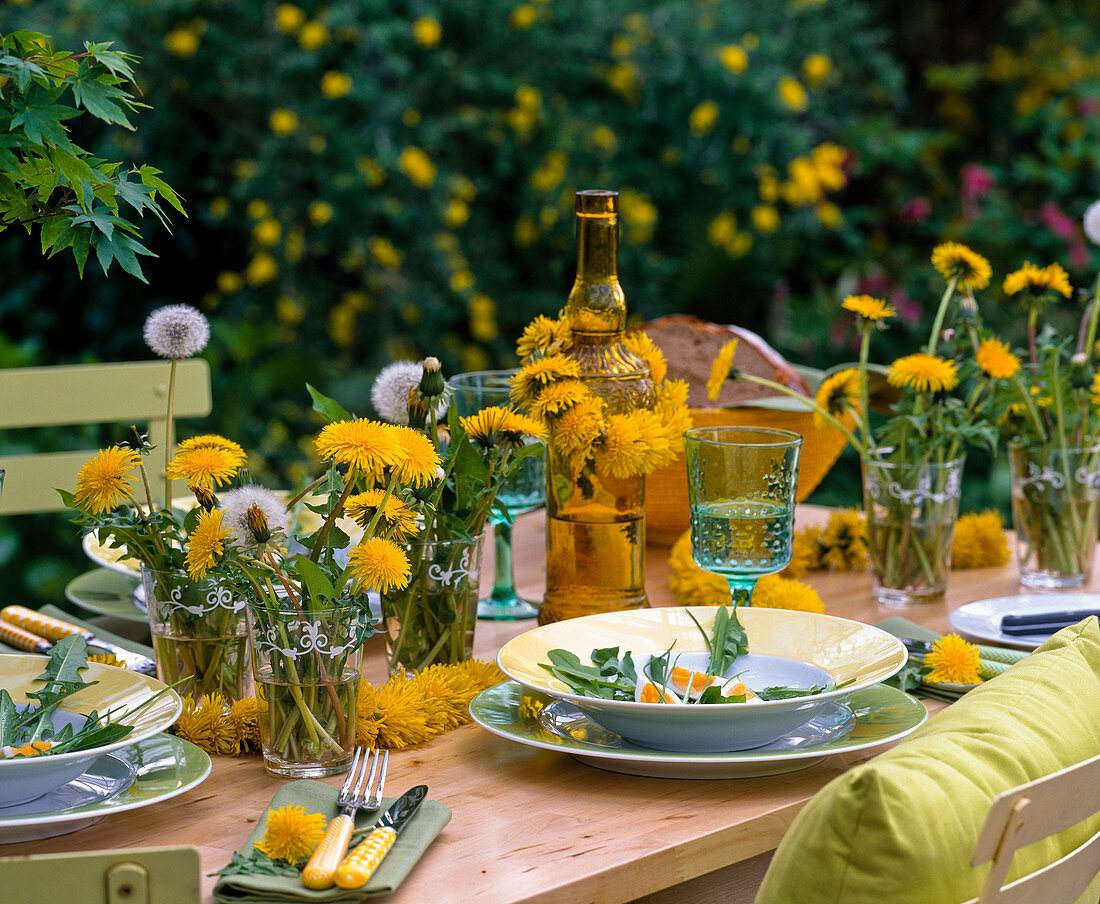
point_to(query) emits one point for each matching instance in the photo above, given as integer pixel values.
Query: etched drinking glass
(741, 490)
(523, 493)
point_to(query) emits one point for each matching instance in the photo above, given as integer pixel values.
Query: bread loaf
(691, 345)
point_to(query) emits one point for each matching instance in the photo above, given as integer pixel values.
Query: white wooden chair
(125, 393)
(1033, 811)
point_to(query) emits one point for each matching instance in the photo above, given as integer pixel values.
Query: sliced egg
(648, 692)
(688, 682)
(735, 687)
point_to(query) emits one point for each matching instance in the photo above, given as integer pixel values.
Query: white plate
(510, 711)
(982, 619)
(164, 767)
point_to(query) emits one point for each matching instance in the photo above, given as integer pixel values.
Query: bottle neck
(596, 302)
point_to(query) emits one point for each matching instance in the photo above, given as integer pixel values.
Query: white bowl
(847, 654)
(118, 690)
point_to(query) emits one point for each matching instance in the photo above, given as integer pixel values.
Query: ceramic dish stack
(847, 659)
(52, 794)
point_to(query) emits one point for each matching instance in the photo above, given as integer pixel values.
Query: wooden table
(535, 826)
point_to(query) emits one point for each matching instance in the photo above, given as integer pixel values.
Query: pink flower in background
(908, 310)
(1078, 255)
(916, 210)
(1058, 222)
(1087, 107)
(976, 181)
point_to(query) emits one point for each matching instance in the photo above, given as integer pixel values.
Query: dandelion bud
(431, 381)
(417, 408)
(257, 524)
(206, 498)
(1080, 373)
(968, 309)
(138, 441)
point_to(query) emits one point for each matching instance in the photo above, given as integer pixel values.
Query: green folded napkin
(317, 797)
(132, 645)
(994, 660)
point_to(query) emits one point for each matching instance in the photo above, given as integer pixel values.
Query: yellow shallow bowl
(855, 655)
(117, 690)
(666, 492)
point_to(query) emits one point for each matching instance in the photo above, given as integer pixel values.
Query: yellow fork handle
(23, 639)
(361, 863)
(321, 869)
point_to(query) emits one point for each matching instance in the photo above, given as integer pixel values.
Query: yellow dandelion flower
(417, 165)
(379, 564)
(641, 345)
(869, 308)
(417, 457)
(954, 260)
(578, 427)
(245, 718)
(313, 36)
(703, 118)
(953, 661)
(495, 426)
(544, 334)
(842, 544)
(924, 373)
(291, 833)
(996, 359)
(191, 726)
(451, 692)
(626, 447)
(399, 519)
(816, 68)
(793, 95)
(370, 446)
(557, 397)
(734, 58)
(690, 584)
(107, 659)
(672, 410)
(206, 543)
(427, 31)
(805, 552)
(839, 395)
(1033, 281)
(289, 18)
(1094, 392)
(335, 84)
(105, 480)
(403, 714)
(775, 592)
(283, 122)
(483, 674)
(980, 541)
(206, 465)
(539, 373)
(720, 369)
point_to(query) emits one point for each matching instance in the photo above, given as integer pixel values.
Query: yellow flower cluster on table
(841, 546)
(692, 586)
(617, 445)
(401, 712)
(291, 833)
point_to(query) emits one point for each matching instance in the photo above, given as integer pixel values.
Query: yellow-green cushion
(902, 827)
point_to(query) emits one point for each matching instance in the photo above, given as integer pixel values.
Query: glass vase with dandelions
(741, 488)
(307, 593)
(432, 619)
(198, 630)
(1047, 405)
(912, 455)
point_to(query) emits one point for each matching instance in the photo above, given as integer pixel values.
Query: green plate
(882, 714)
(105, 592)
(164, 765)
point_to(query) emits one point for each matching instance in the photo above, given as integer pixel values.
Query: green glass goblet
(524, 492)
(741, 491)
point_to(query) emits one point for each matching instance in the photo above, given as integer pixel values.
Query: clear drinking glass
(741, 491)
(523, 493)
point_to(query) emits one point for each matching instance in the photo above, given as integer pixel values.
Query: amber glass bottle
(595, 534)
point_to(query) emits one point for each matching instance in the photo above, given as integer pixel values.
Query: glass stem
(504, 581)
(741, 590)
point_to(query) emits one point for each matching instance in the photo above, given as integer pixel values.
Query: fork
(360, 791)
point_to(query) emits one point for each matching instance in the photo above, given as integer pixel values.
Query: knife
(1043, 622)
(358, 866)
(54, 629)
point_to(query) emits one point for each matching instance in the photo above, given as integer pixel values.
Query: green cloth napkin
(317, 797)
(994, 660)
(131, 645)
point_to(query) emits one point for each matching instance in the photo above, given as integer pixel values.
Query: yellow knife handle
(51, 628)
(361, 863)
(321, 869)
(24, 640)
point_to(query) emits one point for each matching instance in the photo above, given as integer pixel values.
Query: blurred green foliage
(374, 179)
